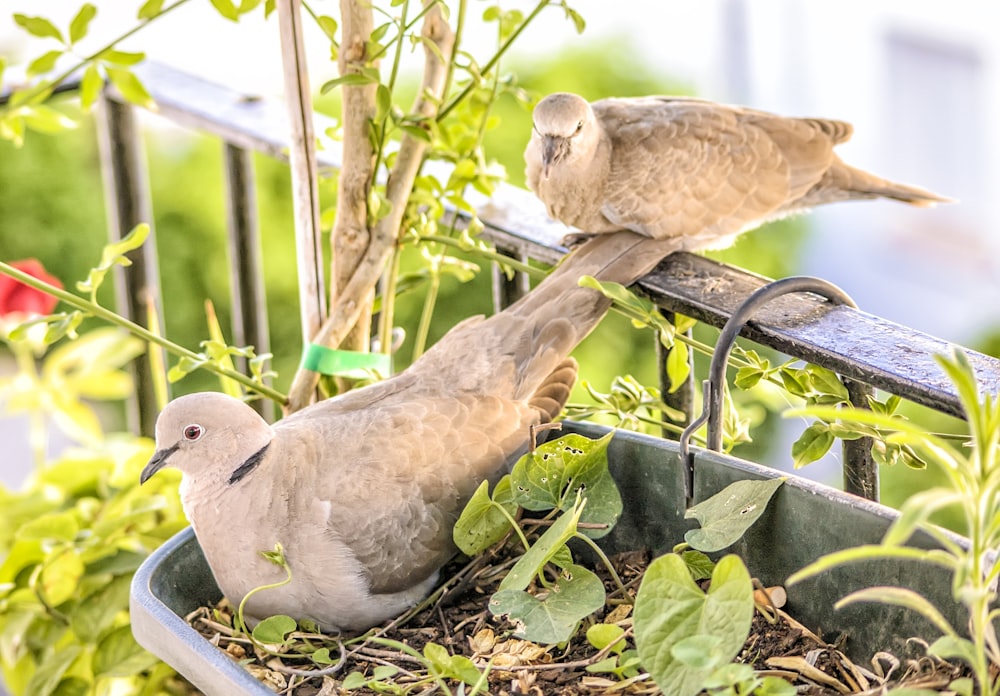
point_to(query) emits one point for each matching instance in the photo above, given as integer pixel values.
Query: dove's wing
(684, 167)
(415, 460)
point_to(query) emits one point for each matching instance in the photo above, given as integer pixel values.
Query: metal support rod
(507, 291)
(858, 472)
(246, 269)
(126, 192)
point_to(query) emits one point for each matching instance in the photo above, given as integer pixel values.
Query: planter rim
(185, 650)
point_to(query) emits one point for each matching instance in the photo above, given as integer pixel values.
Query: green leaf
(61, 575)
(90, 87)
(601, 635)
(552, 475)
(726, 516)
(274, 629)
(826, 381)
(348, 80)
(329, 26)
(952, 647)
(443, 664)
(81, 22)
(543, 550)
(121, 58)
(795, 381)
(44, 63)
(699, 565)
(113, 255)
(118, 655)
(900, 597)
(482, 523)
(131, 87)
(97, 612)
(56, 526)
(814, 442)
(553, 617)
(51, 670)
(868, 551)
(227, 9)
(670, 611)
(38, 26)
(45, 119)
(678, 367)
(150, 9)
(748, 377)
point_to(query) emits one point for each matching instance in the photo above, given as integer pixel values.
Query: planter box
(803, 521)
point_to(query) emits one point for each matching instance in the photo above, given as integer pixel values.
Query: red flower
(18, 298)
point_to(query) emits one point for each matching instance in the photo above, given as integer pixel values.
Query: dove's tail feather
(842, 182)
(550, 398)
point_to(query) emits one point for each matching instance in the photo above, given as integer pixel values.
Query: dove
(362, 490)
(689, 169)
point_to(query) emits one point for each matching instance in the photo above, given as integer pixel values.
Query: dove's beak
(158, 461)
(553, 150)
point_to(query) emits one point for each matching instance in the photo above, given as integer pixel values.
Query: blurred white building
(920, 81)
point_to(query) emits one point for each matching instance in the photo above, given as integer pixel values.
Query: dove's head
(566, 127)
(209, 435)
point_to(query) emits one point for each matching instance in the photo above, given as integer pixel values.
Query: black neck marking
(249, 465)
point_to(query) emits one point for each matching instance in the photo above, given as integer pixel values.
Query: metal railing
(865, 350)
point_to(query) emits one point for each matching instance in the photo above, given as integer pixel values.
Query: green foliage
(974, 477)
(72, 538)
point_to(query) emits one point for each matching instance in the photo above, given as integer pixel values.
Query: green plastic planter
(804, 521)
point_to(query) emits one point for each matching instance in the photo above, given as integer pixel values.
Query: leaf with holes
(728, 514)
(551, 476)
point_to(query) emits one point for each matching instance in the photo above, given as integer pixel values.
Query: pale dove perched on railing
(689, 169)
(363, 490)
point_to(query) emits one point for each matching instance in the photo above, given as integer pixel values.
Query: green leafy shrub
(72, 538)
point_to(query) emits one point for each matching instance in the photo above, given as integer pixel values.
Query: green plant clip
(345, 363)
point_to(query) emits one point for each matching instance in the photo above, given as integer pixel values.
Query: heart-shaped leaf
(552, 475)
(553, 617)
(483, 522)
(728, 514)
(674, 619)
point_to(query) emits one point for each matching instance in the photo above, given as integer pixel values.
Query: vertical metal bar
(246, 268)
(126, 191)
(860, 469)
(683, 398)
(507, 291)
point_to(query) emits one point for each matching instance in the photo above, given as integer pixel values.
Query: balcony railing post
(860, 469)
(126, 190)
(246, 270)
(507, 291)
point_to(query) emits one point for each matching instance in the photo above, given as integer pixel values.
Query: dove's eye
(579, 126)
(193, 432)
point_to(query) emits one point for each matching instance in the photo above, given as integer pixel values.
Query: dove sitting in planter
(362, 490)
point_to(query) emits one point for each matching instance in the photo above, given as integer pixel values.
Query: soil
(458, 619)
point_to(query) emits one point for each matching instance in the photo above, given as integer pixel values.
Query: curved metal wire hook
(713, 388)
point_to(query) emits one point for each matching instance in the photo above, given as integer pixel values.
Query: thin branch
(107, 315)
